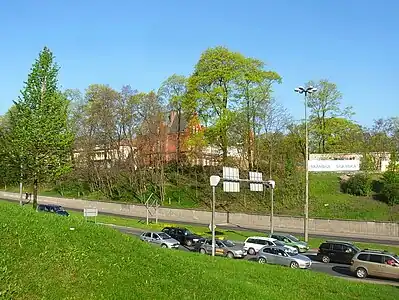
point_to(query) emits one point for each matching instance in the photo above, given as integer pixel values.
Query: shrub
(390, 189)
(358, 185)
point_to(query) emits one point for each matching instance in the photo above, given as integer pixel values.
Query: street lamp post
(214, 181)
(306, 91)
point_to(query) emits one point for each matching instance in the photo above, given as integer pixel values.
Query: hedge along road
(334, 269)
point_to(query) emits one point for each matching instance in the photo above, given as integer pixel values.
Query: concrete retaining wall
(357, 228)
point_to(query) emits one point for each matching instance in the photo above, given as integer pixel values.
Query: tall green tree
(212, 93)
(255, 89)
(324, 105)
(40, 124)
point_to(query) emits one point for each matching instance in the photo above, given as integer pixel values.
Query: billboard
(333, 165)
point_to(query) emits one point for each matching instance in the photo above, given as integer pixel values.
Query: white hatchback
(254, 243)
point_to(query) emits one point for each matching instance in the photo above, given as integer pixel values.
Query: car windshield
(356, 248)
(279, 243)
(164, 236)
(228, 243)
(291, 253)
(292, 238)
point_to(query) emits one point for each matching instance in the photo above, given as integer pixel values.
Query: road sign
(231, 180)
(255, 177)
(90, 212)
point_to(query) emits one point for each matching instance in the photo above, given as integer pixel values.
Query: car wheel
(361, 273)
(202, 251)
(294, 265)
(164, 246)
(189, 242)
(262, 260)
(251, 251)
(325, 259)
(230, 255)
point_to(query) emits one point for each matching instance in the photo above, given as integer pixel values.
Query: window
(347, 249)
(325, 246)
(375, 258)
(148, 234)
(155, 236)
(262, 242)
(252, 241)
(337, 247)
(208, 242)
(363, 257)
(267, 250)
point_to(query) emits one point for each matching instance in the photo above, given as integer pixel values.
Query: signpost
(90, 212)
(231, 184)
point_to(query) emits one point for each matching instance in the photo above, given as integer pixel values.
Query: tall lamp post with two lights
(306, 91)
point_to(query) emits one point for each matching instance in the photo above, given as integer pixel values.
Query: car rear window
(325, 246)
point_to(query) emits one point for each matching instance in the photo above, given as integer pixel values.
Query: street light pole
(214, 181)
(306, 91)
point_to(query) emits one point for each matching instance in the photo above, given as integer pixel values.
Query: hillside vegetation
(42, 258)
(326, 198)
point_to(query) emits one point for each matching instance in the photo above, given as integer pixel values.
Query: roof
(262, 238)
(339, 242)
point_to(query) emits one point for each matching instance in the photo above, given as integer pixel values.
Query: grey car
(160, 238)
(222, 248)
(278, 255)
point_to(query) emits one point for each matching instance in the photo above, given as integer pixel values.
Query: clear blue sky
(353, 43)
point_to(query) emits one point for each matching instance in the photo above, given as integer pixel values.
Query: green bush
(358, 185)
(390, 189)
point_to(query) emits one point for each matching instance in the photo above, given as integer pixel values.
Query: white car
(254, 243)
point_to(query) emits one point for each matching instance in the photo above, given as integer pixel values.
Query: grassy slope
(41, 258)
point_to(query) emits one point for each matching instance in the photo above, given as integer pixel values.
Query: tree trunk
(35, 190)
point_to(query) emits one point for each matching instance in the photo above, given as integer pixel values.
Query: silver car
(160, 238)
(280, 256)
(222, 248)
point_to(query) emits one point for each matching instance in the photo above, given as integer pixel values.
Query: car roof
(377, 251)
(262, 238)
(339, 242)
(276, 247)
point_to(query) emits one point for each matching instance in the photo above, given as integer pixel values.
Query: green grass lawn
(42, 258)
(234, 235)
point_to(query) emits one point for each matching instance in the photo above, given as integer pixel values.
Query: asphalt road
(333, 269)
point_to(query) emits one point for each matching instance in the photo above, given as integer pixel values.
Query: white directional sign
(90, 212)
(253, 186)
(333, 165)
(231, 180)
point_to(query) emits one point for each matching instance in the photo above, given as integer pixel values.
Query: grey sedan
(280, 256)
(223, 248)
(160, 238)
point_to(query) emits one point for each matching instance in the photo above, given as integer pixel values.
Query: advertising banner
(333, 165)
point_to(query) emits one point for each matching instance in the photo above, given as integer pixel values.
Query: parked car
(57, 209)
(160, 238)
(183, 235)
(337, 251)
(223, 248)
(278, 255)
(291, 240)
(375, 263)
(254, 243)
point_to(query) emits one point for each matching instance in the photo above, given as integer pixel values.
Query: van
(254, 243)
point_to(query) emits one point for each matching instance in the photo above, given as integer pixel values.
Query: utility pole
(306, 91)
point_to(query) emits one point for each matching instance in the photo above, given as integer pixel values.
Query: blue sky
(350, 42)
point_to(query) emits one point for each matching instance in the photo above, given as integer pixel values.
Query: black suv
(183, 235)
(337, 251)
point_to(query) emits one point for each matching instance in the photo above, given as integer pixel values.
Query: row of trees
(53, 136)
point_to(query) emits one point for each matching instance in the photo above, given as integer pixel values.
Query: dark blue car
(57, 209)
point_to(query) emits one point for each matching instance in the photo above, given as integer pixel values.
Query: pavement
(333, 269)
